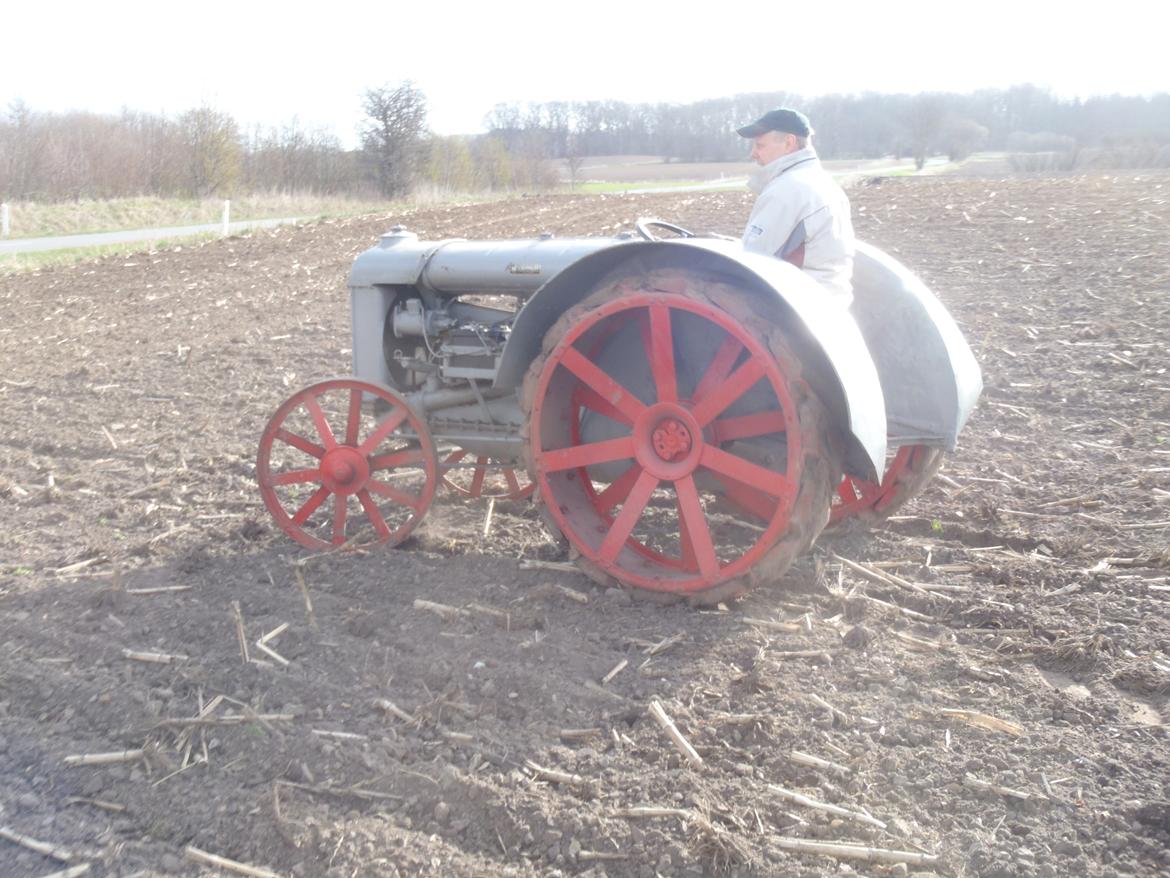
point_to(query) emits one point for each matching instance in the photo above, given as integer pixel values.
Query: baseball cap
(782, 119)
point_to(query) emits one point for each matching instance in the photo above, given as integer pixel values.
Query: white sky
(267, 62)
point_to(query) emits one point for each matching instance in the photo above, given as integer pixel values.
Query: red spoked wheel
(656, 399)
(907, 474)
(331, 471)
(484, 476)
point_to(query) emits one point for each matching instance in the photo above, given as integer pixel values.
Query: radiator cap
(396, 235)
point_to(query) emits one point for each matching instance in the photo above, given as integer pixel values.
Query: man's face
(770, 145)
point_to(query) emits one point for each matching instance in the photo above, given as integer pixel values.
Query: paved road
(67, 242)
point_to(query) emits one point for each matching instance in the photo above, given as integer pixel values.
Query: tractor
(688, 416)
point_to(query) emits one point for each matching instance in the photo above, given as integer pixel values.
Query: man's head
(777, 133)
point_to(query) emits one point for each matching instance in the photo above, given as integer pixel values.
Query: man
(800, 215)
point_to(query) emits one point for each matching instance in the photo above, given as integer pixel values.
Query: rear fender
(824, 335)
(929, 376)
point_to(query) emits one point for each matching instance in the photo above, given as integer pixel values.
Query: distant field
(598, 174)
(649, 168)
(616, 173)
(34, 219)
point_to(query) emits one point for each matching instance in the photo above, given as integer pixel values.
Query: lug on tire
(331, 472)
(907, 474)
(673, 441)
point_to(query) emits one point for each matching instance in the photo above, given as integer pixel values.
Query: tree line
(200, 153)
(205, 152)
(1023, 118)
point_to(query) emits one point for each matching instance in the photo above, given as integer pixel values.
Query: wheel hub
(668, 441)
(344, 470)
(671, 439)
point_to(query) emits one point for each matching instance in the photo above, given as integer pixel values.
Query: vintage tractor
(689, 415)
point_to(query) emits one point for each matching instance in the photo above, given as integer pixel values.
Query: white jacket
(802, 215)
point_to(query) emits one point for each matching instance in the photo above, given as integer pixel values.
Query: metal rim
(667, 440)
(491, 479)
(858, 496)
(380, 472)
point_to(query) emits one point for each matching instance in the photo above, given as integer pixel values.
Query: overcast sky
(268, 62)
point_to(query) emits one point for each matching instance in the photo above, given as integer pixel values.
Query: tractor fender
(833, 354)
(929, 376)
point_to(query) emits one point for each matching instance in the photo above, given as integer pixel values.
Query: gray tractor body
(892, 368)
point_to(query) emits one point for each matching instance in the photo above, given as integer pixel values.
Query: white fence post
(3, 220)
(227, 209)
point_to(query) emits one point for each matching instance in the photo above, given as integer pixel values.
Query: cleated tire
(820, 458)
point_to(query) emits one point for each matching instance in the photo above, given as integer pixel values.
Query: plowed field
(1006, 714)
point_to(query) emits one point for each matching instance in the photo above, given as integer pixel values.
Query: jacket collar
(769, 172)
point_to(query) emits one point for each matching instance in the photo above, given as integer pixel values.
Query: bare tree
(574, 158)
(212, 141)
(961, 137)
(22, 160)
(493, 163)
(450, 167)
(392, 136)
(924, 123)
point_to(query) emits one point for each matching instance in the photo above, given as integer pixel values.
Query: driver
(801, 215)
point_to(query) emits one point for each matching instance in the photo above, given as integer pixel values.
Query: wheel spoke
(340, 501)
(323, 429)
(749, 426)
(718, 369)
(587, 455)
(481, 465)
(453, 458)
(632, 509)
(693, 522)
(686, 547)
(868, 490)
(660, 352)
(740, 382)
(354, 422)
(618, 491)
(392, 493)
(592, 400)
(513, 482)
(297, 477)
(300, 442)
(373, 514)
(386, 426)
(748, 499)
(847, 490)
(406, 457)
(593, 376)
(744, 471)
(319, 497)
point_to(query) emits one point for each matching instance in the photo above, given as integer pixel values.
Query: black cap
(783, 119)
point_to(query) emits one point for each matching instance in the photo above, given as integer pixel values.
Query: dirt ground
(1009, 716)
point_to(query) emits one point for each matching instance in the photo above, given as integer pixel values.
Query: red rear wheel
(330, 471)
(907, 474)
(658, 398)
(481, 476)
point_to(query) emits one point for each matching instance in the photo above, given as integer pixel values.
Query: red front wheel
(331, 471)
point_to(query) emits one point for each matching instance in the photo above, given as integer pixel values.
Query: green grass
(34, 219)
(20, 263)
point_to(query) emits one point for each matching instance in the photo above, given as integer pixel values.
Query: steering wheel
(643, 227)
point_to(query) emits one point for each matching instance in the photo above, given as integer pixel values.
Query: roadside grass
(22, 263)
(35, 219)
